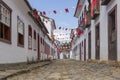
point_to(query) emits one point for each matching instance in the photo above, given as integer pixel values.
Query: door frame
(114, 8)
(97, 57)
(80, 52)
(38, 50)
(89, 45)
(84, 49)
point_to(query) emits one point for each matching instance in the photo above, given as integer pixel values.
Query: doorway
(97, 42)
(38, 47)
(80, 51)
(89, 45)
(112, 34)
(84, 49)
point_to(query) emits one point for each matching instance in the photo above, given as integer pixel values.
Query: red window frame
(5, 31)
(29, 34)
(35, 46)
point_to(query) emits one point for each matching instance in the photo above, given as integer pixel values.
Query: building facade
(22, 33)
(50, 26)
(98, 21)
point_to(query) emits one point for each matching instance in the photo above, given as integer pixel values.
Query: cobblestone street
(72, 70)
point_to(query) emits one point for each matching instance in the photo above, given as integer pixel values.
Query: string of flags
(61, 35)
(63, 28)
(66, 10)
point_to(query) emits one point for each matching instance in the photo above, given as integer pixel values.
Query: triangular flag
(59, 27)
(79, 32)
(44, 13)
(66, 10)
(54, 12)
(66, 28)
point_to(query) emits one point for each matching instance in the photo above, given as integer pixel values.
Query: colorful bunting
(79, 32)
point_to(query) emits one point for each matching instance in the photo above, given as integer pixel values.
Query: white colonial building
(98, 21)
(23, 36)
(50, 26)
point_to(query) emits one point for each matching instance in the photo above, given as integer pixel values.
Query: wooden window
(20, 26)
(29, 37)
(112, 19)
(41, 40)
(112, 33)
(35, 44)
(5, 22)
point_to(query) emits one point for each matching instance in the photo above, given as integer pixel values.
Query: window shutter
(30, 37)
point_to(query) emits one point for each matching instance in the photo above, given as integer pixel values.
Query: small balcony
(96, 11)
(82, 24)
(88, 23)
(105, 2)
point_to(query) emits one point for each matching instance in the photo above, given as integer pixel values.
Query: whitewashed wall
(11, 53)
(103, 20)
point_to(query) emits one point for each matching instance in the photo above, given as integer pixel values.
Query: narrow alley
(59, 39)
(72, 70)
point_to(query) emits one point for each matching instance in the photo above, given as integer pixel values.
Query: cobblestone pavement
(72, 70)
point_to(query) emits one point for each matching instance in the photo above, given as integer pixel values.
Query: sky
(62, 19)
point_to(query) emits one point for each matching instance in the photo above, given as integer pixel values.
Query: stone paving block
(72, 70)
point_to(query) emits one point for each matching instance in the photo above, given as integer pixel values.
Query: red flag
(92, 9)
(79, 6)
(34, 12)
(66, 10)
(79, 32)
(94, 2)
(44, 13)
(37, 17)
(54, 12)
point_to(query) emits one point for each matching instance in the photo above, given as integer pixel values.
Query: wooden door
(112, 34)
(38, 47)
(89, 45)
(80, 51)
(97, 42)
(84, 49)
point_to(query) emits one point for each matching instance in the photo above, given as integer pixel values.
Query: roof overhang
(28, 4)
(77, 11)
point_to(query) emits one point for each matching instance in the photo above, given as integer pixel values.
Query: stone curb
(23, 71)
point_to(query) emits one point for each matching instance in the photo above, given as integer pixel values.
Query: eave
(77, 11)
(39, 23)
(28, 4)
(35, 20)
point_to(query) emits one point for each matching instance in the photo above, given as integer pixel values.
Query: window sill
(19, 45)
(34, 49)
(30, 48)
(5, 41)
